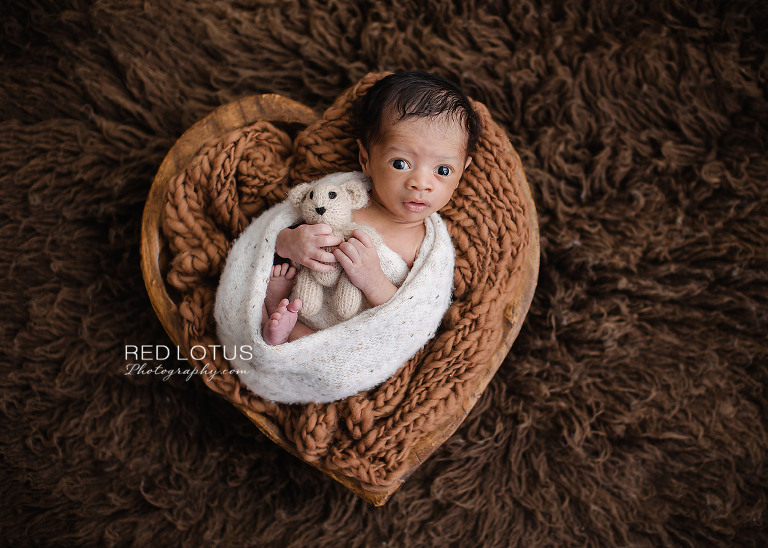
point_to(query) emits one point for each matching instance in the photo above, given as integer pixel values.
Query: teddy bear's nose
(320, 210)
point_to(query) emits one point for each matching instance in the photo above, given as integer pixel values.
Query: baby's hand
(304, 245)
(359, 259)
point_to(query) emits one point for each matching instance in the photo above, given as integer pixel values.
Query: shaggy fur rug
(632, 410)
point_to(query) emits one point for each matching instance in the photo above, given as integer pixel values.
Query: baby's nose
(320, 210)
(420, 182)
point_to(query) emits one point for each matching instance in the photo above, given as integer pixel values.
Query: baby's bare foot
(278, 328)
(280, 285)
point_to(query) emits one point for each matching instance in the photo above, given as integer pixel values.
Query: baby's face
(415, 165)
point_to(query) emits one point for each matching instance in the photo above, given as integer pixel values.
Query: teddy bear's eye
(311, 195)
(332, 195)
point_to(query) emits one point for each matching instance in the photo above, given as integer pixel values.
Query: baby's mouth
(416, 205)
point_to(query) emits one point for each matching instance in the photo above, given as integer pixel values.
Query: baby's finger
(349, 249)
(323, 256)
(364, 237)
(320, 229)
(317, 266)
(342, 258)
(329, 240)
(359, 247)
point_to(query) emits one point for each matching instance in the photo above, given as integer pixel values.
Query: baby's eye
(311, 195)
(400, 164)
(443, 171)
(332, 195)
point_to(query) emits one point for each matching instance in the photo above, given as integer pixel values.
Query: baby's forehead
(443, 128)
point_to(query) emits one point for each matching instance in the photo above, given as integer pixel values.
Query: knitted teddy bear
(331, 200)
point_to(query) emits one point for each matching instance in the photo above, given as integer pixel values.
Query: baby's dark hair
(409, 94)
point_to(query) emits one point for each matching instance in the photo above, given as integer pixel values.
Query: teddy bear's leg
(347, 299)
(309, 291)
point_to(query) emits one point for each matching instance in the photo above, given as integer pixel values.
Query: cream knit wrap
(341, 360)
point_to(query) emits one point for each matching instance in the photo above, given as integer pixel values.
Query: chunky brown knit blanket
(632, 410)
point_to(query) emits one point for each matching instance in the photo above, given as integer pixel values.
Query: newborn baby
(415, 132)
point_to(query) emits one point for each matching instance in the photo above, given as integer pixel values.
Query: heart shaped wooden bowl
(155, 255)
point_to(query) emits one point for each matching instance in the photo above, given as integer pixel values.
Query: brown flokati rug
(633, 409)
(369, 436)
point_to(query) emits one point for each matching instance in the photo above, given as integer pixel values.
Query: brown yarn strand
(367, 436)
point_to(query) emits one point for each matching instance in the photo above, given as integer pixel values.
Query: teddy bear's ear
(357, 188)
(297, 193)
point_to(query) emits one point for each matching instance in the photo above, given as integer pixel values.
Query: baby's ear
(358, 190)
(362, 156)
(297, 193)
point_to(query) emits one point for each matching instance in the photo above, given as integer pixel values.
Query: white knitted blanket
(340, 361)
